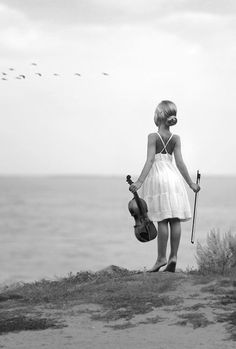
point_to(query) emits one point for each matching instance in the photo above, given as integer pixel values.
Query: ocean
(53, 225)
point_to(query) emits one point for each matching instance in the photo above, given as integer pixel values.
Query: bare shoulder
(176, 139)
(152, 136)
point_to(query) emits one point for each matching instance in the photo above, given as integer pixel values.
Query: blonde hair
(163, 111)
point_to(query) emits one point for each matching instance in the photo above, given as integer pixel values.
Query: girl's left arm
(151, 151)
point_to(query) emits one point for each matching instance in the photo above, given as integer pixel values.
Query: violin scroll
(128, 180)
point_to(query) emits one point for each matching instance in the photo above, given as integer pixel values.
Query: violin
(144, 228)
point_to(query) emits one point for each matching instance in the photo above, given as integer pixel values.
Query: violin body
(144, 228)
(146, 231)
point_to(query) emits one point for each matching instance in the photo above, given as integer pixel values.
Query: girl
(162, 186)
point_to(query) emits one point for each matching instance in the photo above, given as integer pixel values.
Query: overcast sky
(180, 50)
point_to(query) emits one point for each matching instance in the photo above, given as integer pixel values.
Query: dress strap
(169, 140)
(164, 144)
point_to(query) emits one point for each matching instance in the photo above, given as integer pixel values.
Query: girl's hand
(135, 186)
(195, 187)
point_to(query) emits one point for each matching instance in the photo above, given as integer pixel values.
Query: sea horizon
(71, 174)
(56, 224)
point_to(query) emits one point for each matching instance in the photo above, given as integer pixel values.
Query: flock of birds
(6, 76)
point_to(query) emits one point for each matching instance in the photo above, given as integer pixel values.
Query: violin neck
(139, 204)
(137, 198)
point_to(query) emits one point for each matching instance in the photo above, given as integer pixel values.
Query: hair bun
(172, 121)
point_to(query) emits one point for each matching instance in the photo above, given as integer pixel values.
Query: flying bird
(78, 74)
(33, 63)
(105, 74)
(4, 73)
(11, 69)
(39, 74)
(4, 79)
(55, 74)
(22, 76)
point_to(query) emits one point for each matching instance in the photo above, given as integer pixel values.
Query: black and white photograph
(117, 174)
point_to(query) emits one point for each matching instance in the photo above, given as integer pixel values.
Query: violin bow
(195, 209)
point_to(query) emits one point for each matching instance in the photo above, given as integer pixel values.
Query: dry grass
(122, 294)
(196, 320)
(12, 322)
(230, 319)
(219, 254)
(224, 290)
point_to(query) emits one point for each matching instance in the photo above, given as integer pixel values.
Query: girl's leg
(175, 234)
(162, 238)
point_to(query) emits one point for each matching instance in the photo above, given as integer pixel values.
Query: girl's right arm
(182, 167)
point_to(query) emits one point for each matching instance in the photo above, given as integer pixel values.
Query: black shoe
(170, 267)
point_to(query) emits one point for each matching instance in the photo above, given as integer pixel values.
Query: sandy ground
(164, 327)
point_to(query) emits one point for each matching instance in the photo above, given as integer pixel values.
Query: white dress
(164, 189)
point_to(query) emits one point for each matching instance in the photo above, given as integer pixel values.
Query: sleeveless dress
(164, 189)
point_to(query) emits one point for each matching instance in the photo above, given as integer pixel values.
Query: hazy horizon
(91, 175)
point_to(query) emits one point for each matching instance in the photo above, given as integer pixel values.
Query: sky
(180, 50)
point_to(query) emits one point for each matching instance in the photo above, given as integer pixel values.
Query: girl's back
(165, 142)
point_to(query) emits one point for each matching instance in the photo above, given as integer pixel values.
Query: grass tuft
(195, 319)
(230, 319)
(16, 323)
(219, 254)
